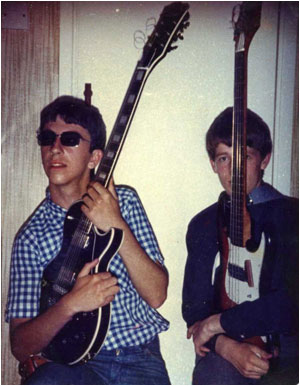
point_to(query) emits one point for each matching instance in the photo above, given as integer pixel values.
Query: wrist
(65, 307)
(214, 325)
(225, 346)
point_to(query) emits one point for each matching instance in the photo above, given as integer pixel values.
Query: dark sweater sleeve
(198, 290)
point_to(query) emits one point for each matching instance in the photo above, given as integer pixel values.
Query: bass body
(240, 267)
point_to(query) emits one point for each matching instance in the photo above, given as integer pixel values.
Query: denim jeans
(214, 370)
(139, 365)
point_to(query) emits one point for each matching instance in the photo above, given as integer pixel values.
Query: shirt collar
(264, 192)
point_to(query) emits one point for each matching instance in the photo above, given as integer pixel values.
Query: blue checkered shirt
(133, 321)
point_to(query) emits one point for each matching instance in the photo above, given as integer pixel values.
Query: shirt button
(118, 352)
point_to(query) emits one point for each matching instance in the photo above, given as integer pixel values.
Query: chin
(57, 180)
(227, 190)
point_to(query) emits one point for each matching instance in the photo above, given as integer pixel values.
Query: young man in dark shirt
(222, 355)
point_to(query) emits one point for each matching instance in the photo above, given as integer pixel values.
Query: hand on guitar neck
(102, 208)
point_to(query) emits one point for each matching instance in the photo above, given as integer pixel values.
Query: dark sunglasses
(67, 138)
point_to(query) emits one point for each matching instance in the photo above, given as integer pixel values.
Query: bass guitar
(82, 338)
(241, 260)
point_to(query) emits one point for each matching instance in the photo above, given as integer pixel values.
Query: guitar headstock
(246, 21)
(169, 28)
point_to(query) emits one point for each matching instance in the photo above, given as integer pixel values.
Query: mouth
(57, 165)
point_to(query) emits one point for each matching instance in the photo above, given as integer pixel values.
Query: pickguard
(239, 273)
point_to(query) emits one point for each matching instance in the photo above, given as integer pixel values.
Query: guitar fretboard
(238, 182)
(121, 127)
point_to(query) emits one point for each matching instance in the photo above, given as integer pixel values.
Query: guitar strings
(236, 211)
(69, 265)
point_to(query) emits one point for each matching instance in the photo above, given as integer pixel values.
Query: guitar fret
(131, 99)
(107, 163)
(123, 120)
(116, 138)
(110, 154)
(102, 176)
(112, 147)
(140, 75)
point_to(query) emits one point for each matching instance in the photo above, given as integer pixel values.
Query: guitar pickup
(241, 274)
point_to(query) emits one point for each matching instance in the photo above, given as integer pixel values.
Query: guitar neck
(169, 28)
(246, 19)
(121, 126)
(238, 213)
(117, 136)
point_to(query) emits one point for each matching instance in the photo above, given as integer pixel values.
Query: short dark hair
(220, 131)
(77, 111)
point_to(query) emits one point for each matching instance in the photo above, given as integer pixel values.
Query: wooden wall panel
(29, 82)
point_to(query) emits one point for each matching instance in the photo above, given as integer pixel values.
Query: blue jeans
(214, 370)
(139, 365)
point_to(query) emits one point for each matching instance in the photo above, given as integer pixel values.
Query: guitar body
(82, 337)
(241, 265)
(240, 271)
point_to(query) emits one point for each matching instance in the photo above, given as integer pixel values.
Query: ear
(265, 161)
(96, 157)
(213, 165)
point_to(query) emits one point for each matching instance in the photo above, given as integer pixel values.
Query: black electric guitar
(241, 259)
(82, 338)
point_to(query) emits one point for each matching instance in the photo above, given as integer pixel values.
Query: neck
(66, 195)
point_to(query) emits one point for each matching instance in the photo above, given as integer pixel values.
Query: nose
(57, 146)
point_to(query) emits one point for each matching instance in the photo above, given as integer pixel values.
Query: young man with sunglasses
(72, 138)
(223, 353)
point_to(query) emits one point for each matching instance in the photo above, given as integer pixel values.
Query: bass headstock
(245, 21)
(169, 28)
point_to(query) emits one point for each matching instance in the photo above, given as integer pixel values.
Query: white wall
(164, 156)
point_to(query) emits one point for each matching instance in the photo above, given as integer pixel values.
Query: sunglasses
(67, 138)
